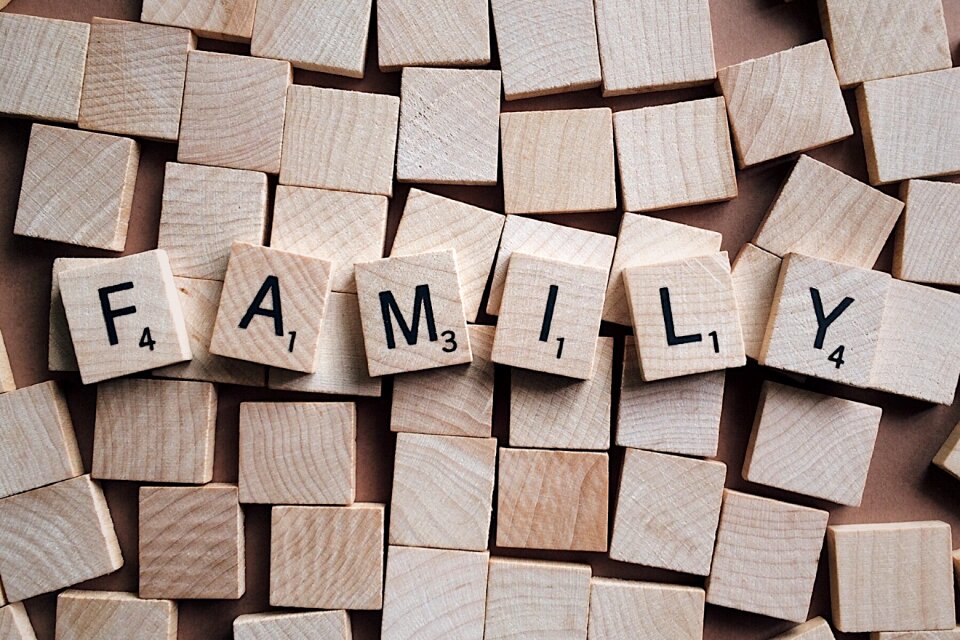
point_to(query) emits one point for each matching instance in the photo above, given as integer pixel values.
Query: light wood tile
(14, 621)
(313, 625)
(925, 249)
(948, 459)
(114, 615)
(644, 610)
(449, 33)
(755, 273)
(218, 19)
(60, 353)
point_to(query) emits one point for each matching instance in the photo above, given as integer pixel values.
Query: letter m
(390, 310)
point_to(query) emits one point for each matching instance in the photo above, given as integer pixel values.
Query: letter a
(270, 285)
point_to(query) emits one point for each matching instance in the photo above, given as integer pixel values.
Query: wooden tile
(14, 621)
(233, 111)
(218, 19)
(114, 615)
(783, 103)
(948, 458)
(892, 577)
(155, 431)
(327, 557)
(191, 543)
(814, 629)
(910, 125)
(685, 316)
(124, 316)
(134, 78)
(434, 594)
(427, 284)
(951, 634)
(330, 37)
(282, 330)
(298, 452)
(77, 187)
(557, 161)
(344, 228)
(7, 382)
(755, 273)
(811, 444)
(60, 353)
(55, 537)
(205, 210)
(451, 33)
(318, 625)
(621, 608)
(552, 500)
(433, 223)
(674, 155)
(452, 401)
(551, 412)
(42, 63)
(357, 133)
(537, 600)
(927, 237)
(667, 511)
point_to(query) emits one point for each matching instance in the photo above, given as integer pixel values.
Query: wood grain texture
(644, 610)
(783, 103)
(219, 19)
(15, 623)
(114, 615)
(449, 33)
(342, 140)
(77, 187)
(755, 273)
(60, 353)
(309, 625)
(948, 459)
(891, 577)
(327, 557)
(926, 238)
(191, 543)
(951, 634)
(814, 629)
(7, 383)
(766, 556)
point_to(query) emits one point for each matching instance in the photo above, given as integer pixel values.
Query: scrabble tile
(60, 353)
(42, 63)
(550, 412)
(537, 600)
(124, 316)
(550, 316)
(825, 320)
(859, 36)
(434, 594)
(667, 511)
(951, 634)
(442, 491)
(755, 272)
(218, 19)
(15, 623)
(282, 330)
(134, 78)
(621, 608)
(55, 537)
(948, 457)
(327, 557)
(815, 629)
(452, 401)
(451, 33)
(766, 556)
(557, 161)
(205, 210)
(432, 223)
(926, 239)
(428, 283)
(674, 155)
(783, 103)
(298, 452)
(155, 431)
(318, 625)
(811, 444)
(191, 543)
(910, 126)
(892, 577)
(547, 48)
(7, 382)
(114, 615)
(685, 316)
(357, 131)
(344, 228)
(552, 500)
(233, 111)
(330, 37)
(77, 187)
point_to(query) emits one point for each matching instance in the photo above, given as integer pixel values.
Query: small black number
(146, 340)
(837, 356)
(293, 338)
(716, 341)
(559, 348)
(451, 339)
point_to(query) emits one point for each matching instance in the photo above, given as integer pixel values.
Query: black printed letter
(390, 309)
(672, 337)
(548, 313)
(825, 321)
(270, 285)
(110, 314)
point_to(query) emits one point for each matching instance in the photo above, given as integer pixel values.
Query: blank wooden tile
(271, 307)
(55, 537)
(951, 634)
(644, 610)
(342, 140)
(667, 511)
(233, 111)
(928, 236)
(7, 382)
(814, 629)
(552, 500)
(330, 37)
(755, 273)
(316, 625)
(191, 543)
(219, 19)
(60, 353)
(298, 452)
(442, 491)
(674, 155)
(451, 33)
(15, 623)
(891, 577)
(114, 615)
(42, 63)
(77, 187)
(948, 457)
(327, 557)
(783, 103)
(811, 444)
(155, 431)
(557, 161)
(766, 556)
(204, 211)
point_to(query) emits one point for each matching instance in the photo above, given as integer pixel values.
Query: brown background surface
(901, 486)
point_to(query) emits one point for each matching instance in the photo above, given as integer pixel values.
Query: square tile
(218, 19)
(114, 615)
(644, 610)
(317, 625)
(924, 249)
(449, 33)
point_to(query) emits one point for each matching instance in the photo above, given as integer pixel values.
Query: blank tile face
(15, 623)
(317, 625)
(114, 615)
(60, 353)
(948, 459)
(814, 629)
(755, 273)
(450, 33)
(924, 250)
(219, 19)
(644, 610)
